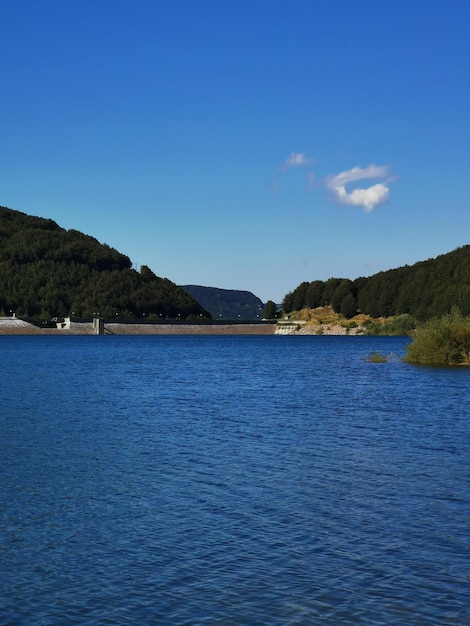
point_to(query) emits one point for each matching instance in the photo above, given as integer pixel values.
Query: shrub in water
(377, 357)
(442, 341)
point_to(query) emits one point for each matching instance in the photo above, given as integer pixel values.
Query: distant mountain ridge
(48, 271)
(227, 304)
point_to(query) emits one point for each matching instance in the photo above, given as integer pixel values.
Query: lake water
(231, 481)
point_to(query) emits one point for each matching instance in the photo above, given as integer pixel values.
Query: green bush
(441, 341)
(377, 357)
(399, 325)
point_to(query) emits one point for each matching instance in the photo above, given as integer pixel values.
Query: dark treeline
(425, 290)
(47, 271)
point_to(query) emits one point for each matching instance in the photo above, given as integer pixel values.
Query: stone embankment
(189, 329)
(15, 326)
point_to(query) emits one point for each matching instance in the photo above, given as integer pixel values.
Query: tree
(270, 310)
(343, 289)
(288, 302)
(330, 287)
(348, 306)
(300, 295)
(314, 294)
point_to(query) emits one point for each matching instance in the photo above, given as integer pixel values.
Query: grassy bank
(321, 318)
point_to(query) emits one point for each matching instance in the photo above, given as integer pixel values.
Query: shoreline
(16, 326)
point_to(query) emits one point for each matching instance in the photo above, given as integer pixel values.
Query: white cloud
(295, 159)
(368, 197)
(357, 173)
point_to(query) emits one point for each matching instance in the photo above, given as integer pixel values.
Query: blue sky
(242, 145)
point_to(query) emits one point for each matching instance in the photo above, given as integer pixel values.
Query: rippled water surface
(231, 480)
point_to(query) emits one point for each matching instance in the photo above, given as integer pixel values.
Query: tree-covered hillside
(424, 290)
(48, 271)
(227, 304)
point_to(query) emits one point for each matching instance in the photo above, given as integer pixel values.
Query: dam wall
(15, 326)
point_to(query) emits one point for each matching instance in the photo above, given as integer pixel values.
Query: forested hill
(227, 304)
(47, 271)
(424, 290)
